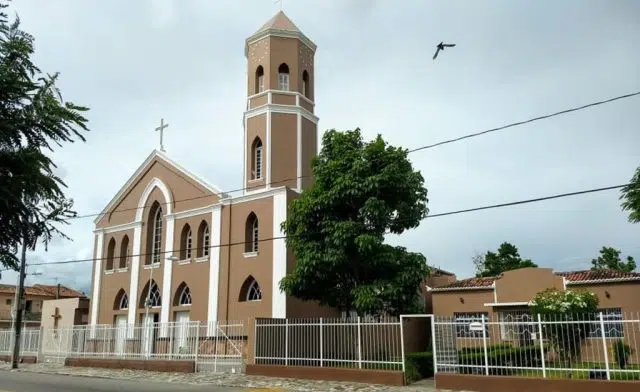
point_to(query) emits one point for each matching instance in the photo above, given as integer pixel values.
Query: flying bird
(440, 47)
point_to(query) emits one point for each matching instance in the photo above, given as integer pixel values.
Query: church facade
(172, 247)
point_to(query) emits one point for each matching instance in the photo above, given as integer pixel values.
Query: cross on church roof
(161, 129)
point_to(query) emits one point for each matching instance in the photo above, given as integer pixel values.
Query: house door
(181, 333)
(148, 333)
(121, 333)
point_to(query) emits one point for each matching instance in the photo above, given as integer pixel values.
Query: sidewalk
(223, 379)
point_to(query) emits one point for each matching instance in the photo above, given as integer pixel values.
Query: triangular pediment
(183, 189)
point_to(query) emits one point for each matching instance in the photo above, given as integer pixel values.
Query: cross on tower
(280, 2)
(161, 130)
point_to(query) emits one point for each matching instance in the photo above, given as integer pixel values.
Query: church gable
(161, 179)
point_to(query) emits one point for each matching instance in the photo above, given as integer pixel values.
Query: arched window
(256, 159)
(183, 295)
(111, 249)
(186, 243)
(251, 233)
(259, 79)
(122, 301)
(204, 241)
(283, 77)
(152, 293)
(154, 234)
(124, 252)
(305, 84)
(250, 290)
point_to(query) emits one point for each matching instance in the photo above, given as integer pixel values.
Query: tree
(506, 259)
(33, 116)
(609, 259)
(630, 196)
(568, 317)
(478, 263)
(336, 228)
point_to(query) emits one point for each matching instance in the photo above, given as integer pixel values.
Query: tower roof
(279, 21)
(280, 25)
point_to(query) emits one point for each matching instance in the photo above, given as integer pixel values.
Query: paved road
(35, 382)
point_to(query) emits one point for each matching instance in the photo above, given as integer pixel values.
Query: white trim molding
(602, 281)
(167, 274)
(299, 151)
(270, 92)
(256, 195)
(267, 182)
(498, 304)
(285, 109)
(193, 212)
(98, 240)
(261, 34)
(117, 228)
(214, 269)
(141, 169)
(279, 260)
(168, 199)
(135, 273)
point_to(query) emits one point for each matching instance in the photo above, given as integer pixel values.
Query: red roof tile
(468, 283)
(42, 290)
(590, 275)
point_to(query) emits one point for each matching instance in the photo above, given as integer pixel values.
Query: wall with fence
(29, 342)
(564, 346)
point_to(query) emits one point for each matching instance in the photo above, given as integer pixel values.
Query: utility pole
(19, 304)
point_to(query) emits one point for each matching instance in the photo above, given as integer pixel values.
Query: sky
(134, 63)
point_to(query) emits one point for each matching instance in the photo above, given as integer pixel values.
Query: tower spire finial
(278, 1)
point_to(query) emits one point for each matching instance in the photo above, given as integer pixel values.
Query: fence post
(40, 345)
(433, 344)
(321, 342)
(540, 338)
(359, 343)
(197, 345)
(286, 342)
(402, 341)
(484, 345)
(604, 347)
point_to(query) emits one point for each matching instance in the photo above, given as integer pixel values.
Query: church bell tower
(280, 128)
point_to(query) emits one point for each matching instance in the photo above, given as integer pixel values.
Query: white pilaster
(166, 275)
(279, 260)
(136, 250)
(269, 157)
(214, 269)
(299, 149)
(98, 240)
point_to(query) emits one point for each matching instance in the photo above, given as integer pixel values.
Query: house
(503, 303)
(170, 246)
(34, 297)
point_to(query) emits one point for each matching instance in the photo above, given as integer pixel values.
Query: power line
(448, 141)
(491, 206)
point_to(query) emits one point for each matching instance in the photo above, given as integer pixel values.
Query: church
(172, 247)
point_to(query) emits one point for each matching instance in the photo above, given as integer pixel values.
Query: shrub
(423, 362)
(621, 353)
(500, 359)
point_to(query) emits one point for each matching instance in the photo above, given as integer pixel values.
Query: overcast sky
(133, 62)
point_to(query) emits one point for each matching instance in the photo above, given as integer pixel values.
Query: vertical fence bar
(402, 341)
(321, 342)
(433, 345)
(540, 338)
(484, 345)
(197, 344)
(359, 343)
(286, 342)
(604, 347)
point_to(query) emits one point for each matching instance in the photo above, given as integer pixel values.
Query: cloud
(373, 70)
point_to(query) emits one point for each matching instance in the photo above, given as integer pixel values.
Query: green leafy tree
(33, 117)
(609, 259)
(336, 228)
(506, 259)
(569, 316)
(630, 197)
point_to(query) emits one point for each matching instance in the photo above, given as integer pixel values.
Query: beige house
(193, 252)
(34, 297)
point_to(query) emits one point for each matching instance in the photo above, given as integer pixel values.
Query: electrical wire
(463, 211)
(448, 141)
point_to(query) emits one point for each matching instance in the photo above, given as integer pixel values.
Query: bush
(621, 353)
(500, 359)
(422, 361)
(411, 373)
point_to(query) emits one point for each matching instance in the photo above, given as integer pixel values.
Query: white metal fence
(364, 343)
(30, 339)
(600, 346)
(215, 347)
